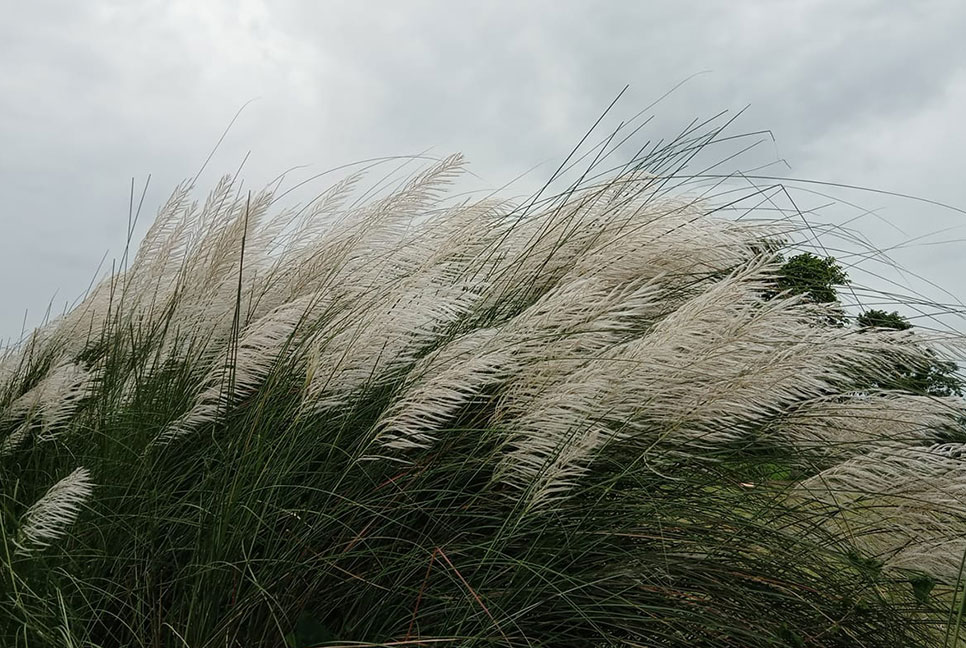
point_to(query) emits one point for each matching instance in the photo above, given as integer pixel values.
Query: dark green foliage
(922, 586)
(938, 378)
(276, 531)
(812, 276)
(875, 318)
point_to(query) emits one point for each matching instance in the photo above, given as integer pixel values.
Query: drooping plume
(49, 518)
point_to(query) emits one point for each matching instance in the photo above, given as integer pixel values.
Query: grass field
(390, 417)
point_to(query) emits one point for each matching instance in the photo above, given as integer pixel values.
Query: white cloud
(94, 93)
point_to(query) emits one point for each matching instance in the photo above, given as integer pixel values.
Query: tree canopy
(813, 276)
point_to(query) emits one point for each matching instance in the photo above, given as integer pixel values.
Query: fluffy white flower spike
(50, 516)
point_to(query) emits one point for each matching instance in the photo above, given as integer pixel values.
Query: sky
(95, 93)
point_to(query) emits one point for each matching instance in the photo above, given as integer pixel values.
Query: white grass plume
(439, 385)
(841, 426)
(725, 361)
(575, 320)
(49, 404)
(368, 343)
(902, 504)
(48, 519)
(263, 345)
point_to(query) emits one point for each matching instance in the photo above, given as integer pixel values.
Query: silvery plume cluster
(397, 418)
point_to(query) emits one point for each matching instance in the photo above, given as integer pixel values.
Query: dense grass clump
(394, 419)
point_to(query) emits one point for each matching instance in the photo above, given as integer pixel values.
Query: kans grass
(397, 418)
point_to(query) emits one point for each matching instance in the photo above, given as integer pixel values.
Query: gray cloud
(94, 93)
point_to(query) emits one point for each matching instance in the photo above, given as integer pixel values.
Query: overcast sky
(94, 93)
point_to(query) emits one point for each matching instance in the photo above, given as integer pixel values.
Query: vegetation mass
(613, 416)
